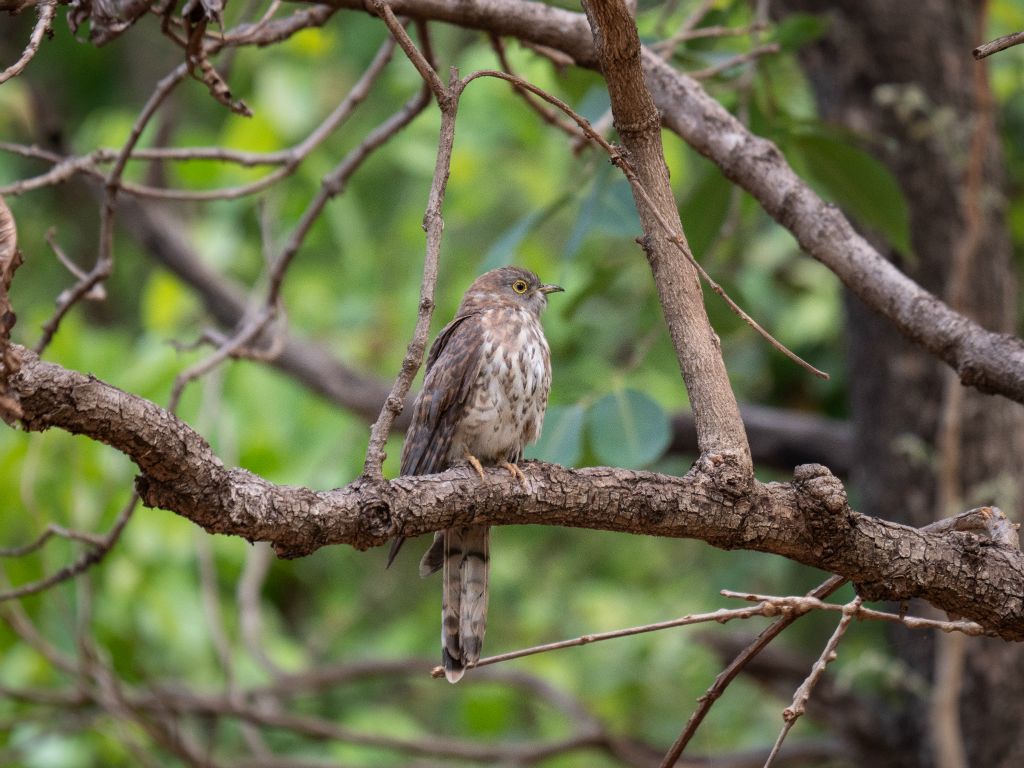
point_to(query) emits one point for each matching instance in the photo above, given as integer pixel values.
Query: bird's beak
(546, 289)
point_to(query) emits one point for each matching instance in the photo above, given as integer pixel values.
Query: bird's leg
(515, 471)
(474, 462)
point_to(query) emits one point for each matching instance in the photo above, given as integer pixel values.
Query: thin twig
(433, 223)
(105, 255)
(721, 616)
(807, 603)
(793, 712)
(52, 530)
(97, 292)
(727, 675)
(250, 609)
(997, 45)
(98, 550)
(47, 10)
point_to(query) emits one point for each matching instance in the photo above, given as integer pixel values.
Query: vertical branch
(433, 225)
(794, 711)
(638, 122)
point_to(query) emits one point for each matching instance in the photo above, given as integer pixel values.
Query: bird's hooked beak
(548, 288)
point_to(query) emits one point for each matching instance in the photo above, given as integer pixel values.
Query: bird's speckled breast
(505, 411)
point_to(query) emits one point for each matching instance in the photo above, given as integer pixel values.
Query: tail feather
(463, 597)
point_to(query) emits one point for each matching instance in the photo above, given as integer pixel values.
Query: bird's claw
(474, 462)
(515, 471)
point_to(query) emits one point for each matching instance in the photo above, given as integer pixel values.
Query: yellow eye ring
(520, 286)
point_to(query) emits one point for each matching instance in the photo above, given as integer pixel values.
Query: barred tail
(463, 597)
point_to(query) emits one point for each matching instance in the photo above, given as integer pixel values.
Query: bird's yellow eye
(520, 286)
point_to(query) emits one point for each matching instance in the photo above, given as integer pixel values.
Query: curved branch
(991, 362)
(807, 520)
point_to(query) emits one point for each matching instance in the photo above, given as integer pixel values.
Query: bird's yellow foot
(474, 462)
(515, 471)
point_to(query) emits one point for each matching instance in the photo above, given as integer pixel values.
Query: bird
(484, 395)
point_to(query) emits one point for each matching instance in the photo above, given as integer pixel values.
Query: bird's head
(511, 287)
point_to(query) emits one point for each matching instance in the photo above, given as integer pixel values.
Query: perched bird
(483, 401)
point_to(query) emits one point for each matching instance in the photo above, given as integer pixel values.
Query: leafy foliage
(517, 193)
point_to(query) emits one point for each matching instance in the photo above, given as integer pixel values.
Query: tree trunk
(901, 75)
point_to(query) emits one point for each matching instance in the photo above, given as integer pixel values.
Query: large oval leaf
(627, 429)
(855, 180)
(561, 440)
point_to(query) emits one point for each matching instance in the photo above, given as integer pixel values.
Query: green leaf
(628, 429)
(799, 29)
(857, 181)
(561, 440)
(705, 209)
(608, 209)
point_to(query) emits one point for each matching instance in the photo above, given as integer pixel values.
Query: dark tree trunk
(901, 75)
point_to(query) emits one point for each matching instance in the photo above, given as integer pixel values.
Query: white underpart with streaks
(500, 419)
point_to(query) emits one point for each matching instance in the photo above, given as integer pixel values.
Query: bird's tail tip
(453, 668)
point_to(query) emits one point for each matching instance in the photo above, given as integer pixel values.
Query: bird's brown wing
(452, 369)
(453, 365)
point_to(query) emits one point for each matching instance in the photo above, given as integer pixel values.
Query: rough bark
(808, 520)
(876, 61)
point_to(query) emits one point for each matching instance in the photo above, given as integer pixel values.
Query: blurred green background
(517, 194)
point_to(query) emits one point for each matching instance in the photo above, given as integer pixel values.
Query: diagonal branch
(807, 520)
(989, 361)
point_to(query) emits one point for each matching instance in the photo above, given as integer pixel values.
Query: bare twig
(52, 530)
(105, 254)
(997, 45)
(98, 549)
(727, 675)
(97, 292)
(433, 223)
(721, 616)
(250, 610)
(808, 603)
(793, 712)
(47, 10)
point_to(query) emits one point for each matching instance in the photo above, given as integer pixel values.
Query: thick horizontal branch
(991, 362)
(807, 520)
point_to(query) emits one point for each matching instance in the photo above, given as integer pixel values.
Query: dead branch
(47, 10)
(795, 710)
(997, 45)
